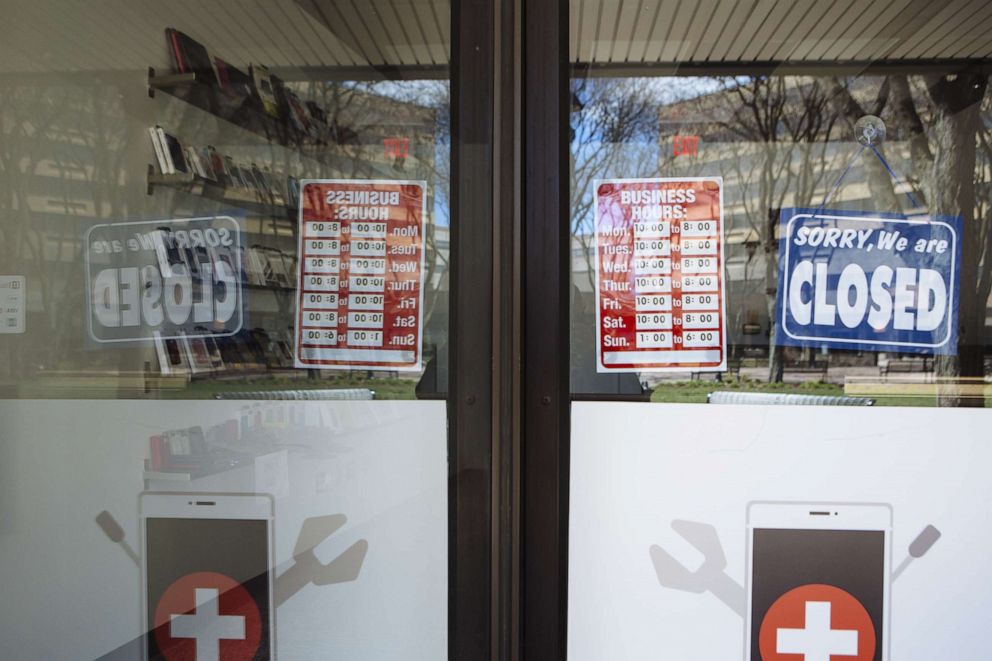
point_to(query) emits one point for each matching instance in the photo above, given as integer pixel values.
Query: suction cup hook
(869, 130)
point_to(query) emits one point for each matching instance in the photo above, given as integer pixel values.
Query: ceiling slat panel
(627, 20)
(284, 34)
(905, 22)
(784, 35)
(766, 30)
(353, 30)
(18, 56)
(402, 29)
(848, 36)
(983, 51)
(871, 24)
(74, 28)
(384, 30)
(329, 15)
(245, 33)
(729, 31)
(294, 51)
(675, 36)
(947, 20)
(953, 31)
(419, 40)
(606, 30)
(803, 28)
(398, 33)
(574, 12)
(813, 36)
(840, 36)
(757, 18)
(863, 30)
(644, 29)
(975, 28)
(313, 28)
(700, 27)
(975, 37)
(588, 22)
(442, 20)
(428, 27)
(298, 29)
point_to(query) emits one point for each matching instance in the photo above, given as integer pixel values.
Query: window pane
(779, 203)
(152, 245)
(243, 207)
(783, 152)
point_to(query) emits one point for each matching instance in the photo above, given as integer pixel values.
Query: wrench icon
(305, 567)
(712, 575)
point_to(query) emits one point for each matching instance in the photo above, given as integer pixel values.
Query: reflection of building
(81, 155)
(797, 161)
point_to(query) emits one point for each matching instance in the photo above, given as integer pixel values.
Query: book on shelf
(197, 353)
(280, 275)
(158, 144)
(233, 82)
(190, 56)
(174, 150)
(256, 267)
(262, 82)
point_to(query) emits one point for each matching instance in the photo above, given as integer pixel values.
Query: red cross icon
(817, 623)
(207, 616)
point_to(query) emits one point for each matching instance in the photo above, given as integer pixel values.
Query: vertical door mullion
(470, 332)
(545, 330)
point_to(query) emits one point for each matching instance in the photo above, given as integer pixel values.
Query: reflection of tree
(62, 163)
(431, 146)
(776, 134)
(956, 123)
(944, 176)
(74, 154)
(614, 124)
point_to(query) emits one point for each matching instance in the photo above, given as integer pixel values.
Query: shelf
(245, 113)
(168, 82)
(273, 288)
(167, 476)
(248, 115)
(207, 188)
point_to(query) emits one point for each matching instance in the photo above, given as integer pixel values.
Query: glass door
(774, 233)
(228, 329)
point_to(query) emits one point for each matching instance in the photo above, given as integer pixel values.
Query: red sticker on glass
(817, 623)
(207, 616)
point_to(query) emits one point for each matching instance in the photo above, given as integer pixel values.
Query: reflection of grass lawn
(693, 392)
(386, 388)
(689, 392)
(135, 386)
(109, 386)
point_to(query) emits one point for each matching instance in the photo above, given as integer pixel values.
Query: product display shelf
(194, 184)
(282, 289)
(243, 113)
(252, 119)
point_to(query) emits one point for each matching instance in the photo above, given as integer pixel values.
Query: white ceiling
(672, 31)
(108, 35)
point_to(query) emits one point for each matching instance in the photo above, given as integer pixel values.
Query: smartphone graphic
(207, 580)
(818, 581)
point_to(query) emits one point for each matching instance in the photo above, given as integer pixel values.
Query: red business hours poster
(360, 294)
(660, 289)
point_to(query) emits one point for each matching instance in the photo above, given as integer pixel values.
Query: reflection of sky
(636, 158)
(639, 155)
(433, 94)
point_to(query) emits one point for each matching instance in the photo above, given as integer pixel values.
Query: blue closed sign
(877, 282)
